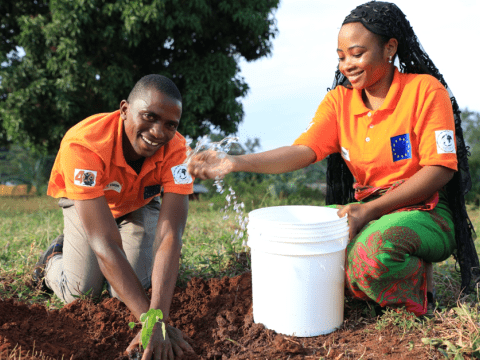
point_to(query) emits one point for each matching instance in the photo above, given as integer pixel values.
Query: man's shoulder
(96, 133)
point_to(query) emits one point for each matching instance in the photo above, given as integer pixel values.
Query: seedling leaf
(148, 321)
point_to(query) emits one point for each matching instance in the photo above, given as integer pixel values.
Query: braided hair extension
(387, 21)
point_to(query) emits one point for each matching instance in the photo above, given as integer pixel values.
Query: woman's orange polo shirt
(413, 128)
(90, 164)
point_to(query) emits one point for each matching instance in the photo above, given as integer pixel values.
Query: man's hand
(158, 348)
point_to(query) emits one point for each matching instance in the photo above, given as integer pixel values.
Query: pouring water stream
(222, 147)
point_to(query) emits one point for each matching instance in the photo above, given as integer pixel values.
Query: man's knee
(72, 292)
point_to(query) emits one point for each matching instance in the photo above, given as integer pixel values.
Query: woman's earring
(390, 60)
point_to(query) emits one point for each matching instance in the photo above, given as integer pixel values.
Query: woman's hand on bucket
(358, 216)
(210, 165)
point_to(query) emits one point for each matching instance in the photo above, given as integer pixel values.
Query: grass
(28, 225)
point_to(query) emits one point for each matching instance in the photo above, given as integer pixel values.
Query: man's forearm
(164, 274)
(121, 276)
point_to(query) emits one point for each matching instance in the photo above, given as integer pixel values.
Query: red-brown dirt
(216, 317)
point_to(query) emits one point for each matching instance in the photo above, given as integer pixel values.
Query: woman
(395, 132)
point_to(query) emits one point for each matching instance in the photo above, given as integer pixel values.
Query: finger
(134, 343)
(176, 349)
(163, 354)
(176, 339)
(182, 343)
(170, 353)
(186, 347)
(130, 348)
(342, 212)
(147, 354)
(352, 232)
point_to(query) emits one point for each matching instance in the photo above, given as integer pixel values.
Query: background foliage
(471, 126)
(83, 57)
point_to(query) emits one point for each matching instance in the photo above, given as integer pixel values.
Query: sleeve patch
(84, 177)
(181, 175)
(445, 141)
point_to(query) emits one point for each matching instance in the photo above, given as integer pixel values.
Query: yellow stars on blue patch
(401, 147)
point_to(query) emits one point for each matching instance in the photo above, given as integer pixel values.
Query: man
(108, 174)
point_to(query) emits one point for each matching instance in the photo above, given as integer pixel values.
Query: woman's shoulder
(339, 94)
(423, 82)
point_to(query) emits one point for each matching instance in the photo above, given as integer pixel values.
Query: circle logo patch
(445, 141)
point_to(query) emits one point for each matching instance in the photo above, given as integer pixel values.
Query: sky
(287, 87)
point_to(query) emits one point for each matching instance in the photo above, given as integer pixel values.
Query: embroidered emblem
(181, 175)
(345, 154)
(114, 185)
(84, 177)
(401, 147)
(445, 141)
(150, 191)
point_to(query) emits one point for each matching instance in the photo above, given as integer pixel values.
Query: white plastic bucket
(298, 281)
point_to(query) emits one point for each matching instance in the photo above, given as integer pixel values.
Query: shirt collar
(358, 106)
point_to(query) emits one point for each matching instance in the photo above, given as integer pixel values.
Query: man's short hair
(157, 82)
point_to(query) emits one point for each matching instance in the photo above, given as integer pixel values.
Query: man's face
(150, 121)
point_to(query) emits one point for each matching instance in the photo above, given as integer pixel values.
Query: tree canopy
(83, 57)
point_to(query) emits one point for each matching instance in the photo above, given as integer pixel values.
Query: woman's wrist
(372, 210)
(232, 164)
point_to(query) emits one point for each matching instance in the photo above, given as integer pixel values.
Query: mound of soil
(216, 317)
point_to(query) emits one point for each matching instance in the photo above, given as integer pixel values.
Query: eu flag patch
(401, 147)
(151, 191)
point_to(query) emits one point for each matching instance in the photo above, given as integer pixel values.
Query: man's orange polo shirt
(413, 128)
(90, 164)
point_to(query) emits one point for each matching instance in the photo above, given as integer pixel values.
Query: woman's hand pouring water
(210, 164)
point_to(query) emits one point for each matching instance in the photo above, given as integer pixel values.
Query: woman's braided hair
(387, 21)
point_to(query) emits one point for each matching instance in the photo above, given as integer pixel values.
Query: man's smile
(149, 142)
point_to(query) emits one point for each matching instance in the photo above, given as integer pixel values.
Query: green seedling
(148, 321)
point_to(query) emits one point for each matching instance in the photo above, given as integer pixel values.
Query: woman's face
(362, 58)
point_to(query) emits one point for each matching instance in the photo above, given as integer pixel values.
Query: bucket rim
(315, 239)
(251, 216)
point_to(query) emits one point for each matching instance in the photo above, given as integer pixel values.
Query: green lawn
(28, 225)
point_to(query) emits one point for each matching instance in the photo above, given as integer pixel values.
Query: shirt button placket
(367, 138)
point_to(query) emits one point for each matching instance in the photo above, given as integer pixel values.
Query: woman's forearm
(416, 189)
(277, 161)
(211, 164)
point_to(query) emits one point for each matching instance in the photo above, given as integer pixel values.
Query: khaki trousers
(76, 271)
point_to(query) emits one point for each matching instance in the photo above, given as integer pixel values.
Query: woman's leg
(386, 261)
